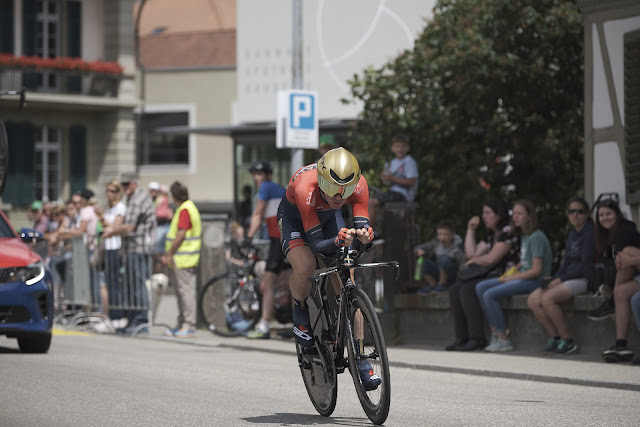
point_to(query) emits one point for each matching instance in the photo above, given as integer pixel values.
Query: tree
(491, 95)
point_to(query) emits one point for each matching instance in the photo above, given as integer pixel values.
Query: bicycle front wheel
(365, 342)
(317, 365)
(229, 306)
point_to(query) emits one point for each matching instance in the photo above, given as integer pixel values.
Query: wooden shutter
(74, 41)
(77, 158)
(29, 32)
(19, 188)
(6, 26)
(632, 115)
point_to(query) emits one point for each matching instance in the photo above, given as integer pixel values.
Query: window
(47, 39)
(48, 163)
(163, 149)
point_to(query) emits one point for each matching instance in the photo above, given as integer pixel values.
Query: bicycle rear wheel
(228, 306)
(317, 365)
(374, 402)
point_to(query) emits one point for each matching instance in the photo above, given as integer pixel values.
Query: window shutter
(19, 188)
(632, 115)
(29, 32)
(6, 26)
(77, 158)
(74, 41)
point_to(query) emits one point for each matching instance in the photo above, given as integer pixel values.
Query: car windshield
(5, 228)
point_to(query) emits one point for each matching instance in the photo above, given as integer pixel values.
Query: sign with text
(297, 125)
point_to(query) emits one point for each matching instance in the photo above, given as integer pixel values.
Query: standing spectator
(269, 197)
(613, 233)
(327, 142)
(164, 214)
(441, 258)
(182, 256)
(402, 174)
(568, 282)
(498, 250)
(140, 221)
(113, 217)
(37, 215)
(535, 264)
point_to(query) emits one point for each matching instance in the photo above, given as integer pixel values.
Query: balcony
(65, 76)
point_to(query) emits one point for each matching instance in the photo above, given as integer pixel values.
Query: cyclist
(310, 222)
(269, 196)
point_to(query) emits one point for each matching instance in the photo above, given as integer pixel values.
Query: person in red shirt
(311, 222)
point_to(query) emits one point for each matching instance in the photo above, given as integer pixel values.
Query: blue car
(26, 292)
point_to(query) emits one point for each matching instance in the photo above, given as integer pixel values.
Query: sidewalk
(578, 369)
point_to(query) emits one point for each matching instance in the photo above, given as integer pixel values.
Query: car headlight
(30, 274)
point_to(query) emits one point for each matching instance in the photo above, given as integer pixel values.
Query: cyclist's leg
(303, 263)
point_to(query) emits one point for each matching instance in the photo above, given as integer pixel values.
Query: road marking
(59, 331)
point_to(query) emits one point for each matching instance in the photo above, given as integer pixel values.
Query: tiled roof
(212, 48)
(190, 33)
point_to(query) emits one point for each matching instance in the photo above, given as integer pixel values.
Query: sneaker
(120, 323)
(302, 326)
(473, 344)
(617, 354)
(494, 339)
(603, 311)
(103, 327)
(455, 346)
(426, 290)
(551, 345)
(185, 333)
(440, 287)
(500, 346)
(370, 380)
(170, 332)
(564, 347)
(257, 334)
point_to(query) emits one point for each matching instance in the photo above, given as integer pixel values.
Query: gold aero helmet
(338, 173)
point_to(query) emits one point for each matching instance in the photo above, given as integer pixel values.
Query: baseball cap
(327, 139)
(36, 205)
(153, 185)
(127, 177)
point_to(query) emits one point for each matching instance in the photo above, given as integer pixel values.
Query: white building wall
(340, 39)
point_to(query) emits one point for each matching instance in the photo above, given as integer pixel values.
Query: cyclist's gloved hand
(345, 237)
(365, 235)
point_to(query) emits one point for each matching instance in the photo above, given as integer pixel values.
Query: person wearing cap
(327, 142)
(140, 220)
(269, 195)
(40, 220)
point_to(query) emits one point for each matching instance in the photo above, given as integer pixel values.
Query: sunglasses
(576, 211)
(109, 190)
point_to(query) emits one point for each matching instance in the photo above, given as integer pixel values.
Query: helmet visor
(332, 189)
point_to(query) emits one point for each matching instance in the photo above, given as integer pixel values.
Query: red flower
(60, 63)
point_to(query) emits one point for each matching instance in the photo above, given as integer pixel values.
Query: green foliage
(491, 96)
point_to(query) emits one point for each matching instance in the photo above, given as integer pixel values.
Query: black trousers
(468, 317)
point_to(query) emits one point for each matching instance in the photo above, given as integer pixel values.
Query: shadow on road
(287, 419)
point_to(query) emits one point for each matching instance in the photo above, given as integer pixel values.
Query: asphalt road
(98, 380)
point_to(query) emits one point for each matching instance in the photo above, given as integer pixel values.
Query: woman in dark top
(498, 247)
(569, 281)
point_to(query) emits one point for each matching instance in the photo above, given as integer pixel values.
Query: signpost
(297, 125)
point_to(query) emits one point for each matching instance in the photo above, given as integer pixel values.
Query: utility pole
(297, 73)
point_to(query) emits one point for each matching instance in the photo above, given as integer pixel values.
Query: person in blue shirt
(569, 281)
(535, 264)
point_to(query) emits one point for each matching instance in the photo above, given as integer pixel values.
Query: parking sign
(297, 125)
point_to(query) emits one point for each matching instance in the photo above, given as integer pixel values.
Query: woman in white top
(113, 216)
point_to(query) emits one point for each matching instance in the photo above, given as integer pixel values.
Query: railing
(59, 81)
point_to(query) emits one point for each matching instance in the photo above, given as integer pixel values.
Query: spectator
(627, 297)
(244, 208)
(568, 282)
(613, 233)
(498, 250)
(182, 255)
(139, 220)
(635, 307)
(113, 217)
(234, 255)
(164, 213)
(402, 174)
(535, 264)
(37, 215)
(327, 142)
(441, 258)
(55, 250)
(269, 197)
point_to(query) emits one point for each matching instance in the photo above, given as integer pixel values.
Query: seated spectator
(635, 307)
(535, 264)
(627, 296)
(568, 282)
(441, 258)
(498, 250)
(401, 174)
(613, 233)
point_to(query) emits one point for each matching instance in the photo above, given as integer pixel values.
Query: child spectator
(441, 258)
(613, 233)
(401, 174)
(568, 282)
(535, 264)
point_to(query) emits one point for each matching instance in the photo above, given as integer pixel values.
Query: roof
(175, 36)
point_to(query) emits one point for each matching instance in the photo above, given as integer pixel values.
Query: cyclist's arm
(318, 244)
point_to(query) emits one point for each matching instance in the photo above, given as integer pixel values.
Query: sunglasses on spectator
(577, 211)
(125, 184)
(111, 190)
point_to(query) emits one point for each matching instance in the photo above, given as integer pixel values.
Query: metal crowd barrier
(125, 274)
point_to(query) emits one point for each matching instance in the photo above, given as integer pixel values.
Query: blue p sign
(302, 111)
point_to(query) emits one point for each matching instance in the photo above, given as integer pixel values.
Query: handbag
(96, 261)
(474, 271)
(601, 273)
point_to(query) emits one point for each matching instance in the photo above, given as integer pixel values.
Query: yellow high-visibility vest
(188, 254)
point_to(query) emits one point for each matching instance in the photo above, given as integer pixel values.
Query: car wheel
(35, 343)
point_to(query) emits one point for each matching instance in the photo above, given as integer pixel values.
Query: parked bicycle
(349, 322)
(230, 303)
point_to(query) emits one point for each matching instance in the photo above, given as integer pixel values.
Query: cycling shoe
(370, 380)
